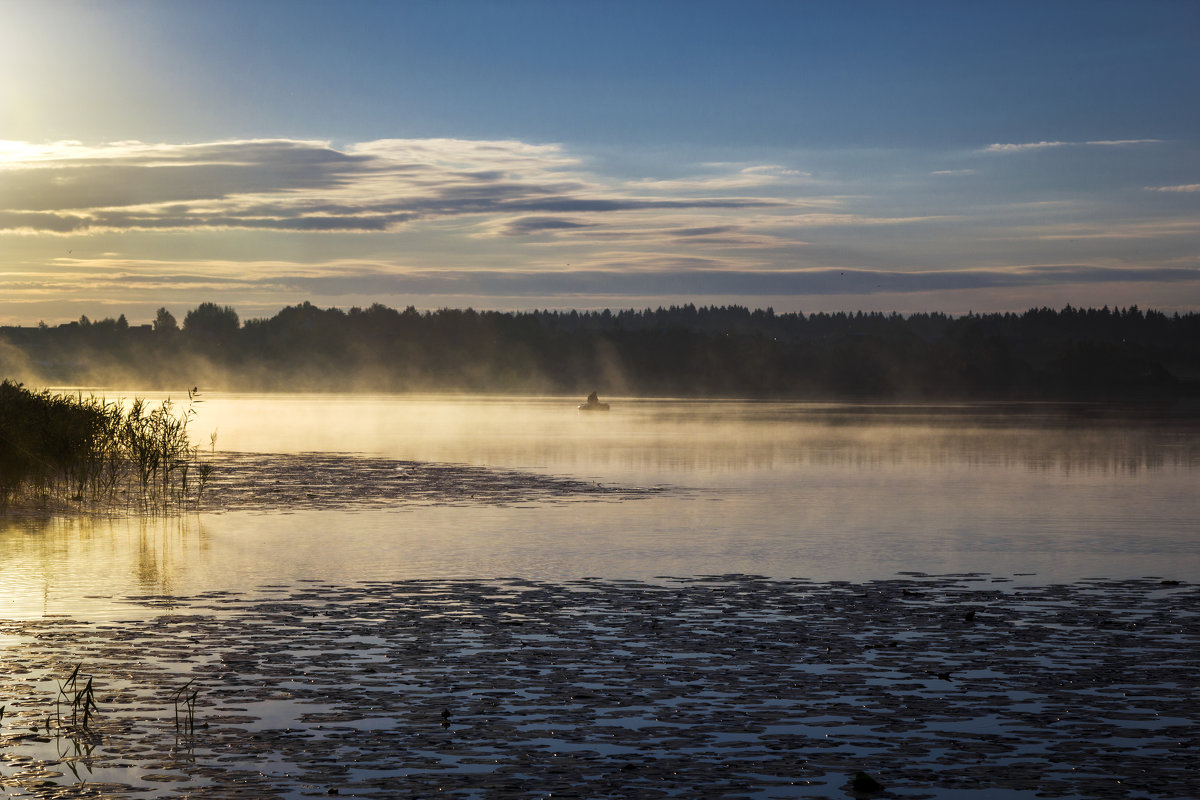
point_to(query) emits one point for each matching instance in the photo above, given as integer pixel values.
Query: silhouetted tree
(164, 322)
(211, 319)
(679, 350)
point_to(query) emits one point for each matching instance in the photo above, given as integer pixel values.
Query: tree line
(687, 351)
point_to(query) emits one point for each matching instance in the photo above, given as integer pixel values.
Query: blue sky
(800, 155)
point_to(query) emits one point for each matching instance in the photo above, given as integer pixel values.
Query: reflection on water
(46, 561)
(786, 490)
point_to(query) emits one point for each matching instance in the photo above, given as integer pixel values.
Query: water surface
(470, 596)
(823, 492)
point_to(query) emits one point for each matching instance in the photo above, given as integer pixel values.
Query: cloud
(444, 218)
(1186, 187)
(857, 220)
(1122, 142)
(669, 231)
(129, 175)
(1029, 146)
(471, 155)
(710, 230)
(530, 226)
(310, 186)
(676, 278)
(617, 274)
(712, 225)
(1017, 148)
(745, 177)
(1148, 229)
(40, 221)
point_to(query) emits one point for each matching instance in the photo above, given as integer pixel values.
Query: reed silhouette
(69, 450)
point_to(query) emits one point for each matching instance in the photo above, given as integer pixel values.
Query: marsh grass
(62, 451)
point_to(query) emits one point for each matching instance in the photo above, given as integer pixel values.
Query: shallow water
(728, 686)
(362, 563)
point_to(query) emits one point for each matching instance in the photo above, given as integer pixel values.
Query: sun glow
(24, 153)
(25, 91)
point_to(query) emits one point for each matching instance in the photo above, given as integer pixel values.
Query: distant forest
(684, 351)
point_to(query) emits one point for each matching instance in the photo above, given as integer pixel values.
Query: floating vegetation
(61, 451)
(725, 686)
(270, 481)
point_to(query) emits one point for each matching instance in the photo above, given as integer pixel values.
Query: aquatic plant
(75, 707)
(82, 701)
(181, 695)
(862, 782)
(61, 450)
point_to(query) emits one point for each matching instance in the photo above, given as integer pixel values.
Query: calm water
(783, 490)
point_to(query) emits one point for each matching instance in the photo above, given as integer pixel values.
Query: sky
(805, 156)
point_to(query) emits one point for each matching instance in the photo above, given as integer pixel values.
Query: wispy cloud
(669, 276)
(529, 226)
(688, 226)
(1123, 142)
(1018, 148)
(1186, 187)
(1043, 145)
(1152, 229)
(286, 185)
(741, 177)
(826, 220)
(635, 274)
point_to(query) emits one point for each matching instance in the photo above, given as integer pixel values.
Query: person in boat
(593, 404)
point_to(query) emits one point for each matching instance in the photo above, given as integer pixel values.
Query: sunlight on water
(684, 436)
(786, 490)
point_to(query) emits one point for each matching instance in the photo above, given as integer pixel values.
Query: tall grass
(61, 450)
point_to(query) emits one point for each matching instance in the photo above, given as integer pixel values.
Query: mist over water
(780, 489)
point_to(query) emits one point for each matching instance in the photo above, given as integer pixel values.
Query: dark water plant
(187, 723)
(82, 701)
(62, 451)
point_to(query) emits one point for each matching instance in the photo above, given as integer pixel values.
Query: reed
(187, 723)
(82, 701)
(75, 709)
(61, 450)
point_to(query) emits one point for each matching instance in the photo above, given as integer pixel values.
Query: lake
(912, 581)
(824, 492)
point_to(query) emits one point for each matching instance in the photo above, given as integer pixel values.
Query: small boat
(593, 404)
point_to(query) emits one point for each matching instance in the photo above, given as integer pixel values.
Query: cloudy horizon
(510, 210)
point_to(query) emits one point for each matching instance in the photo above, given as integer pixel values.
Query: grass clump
(63, 451)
